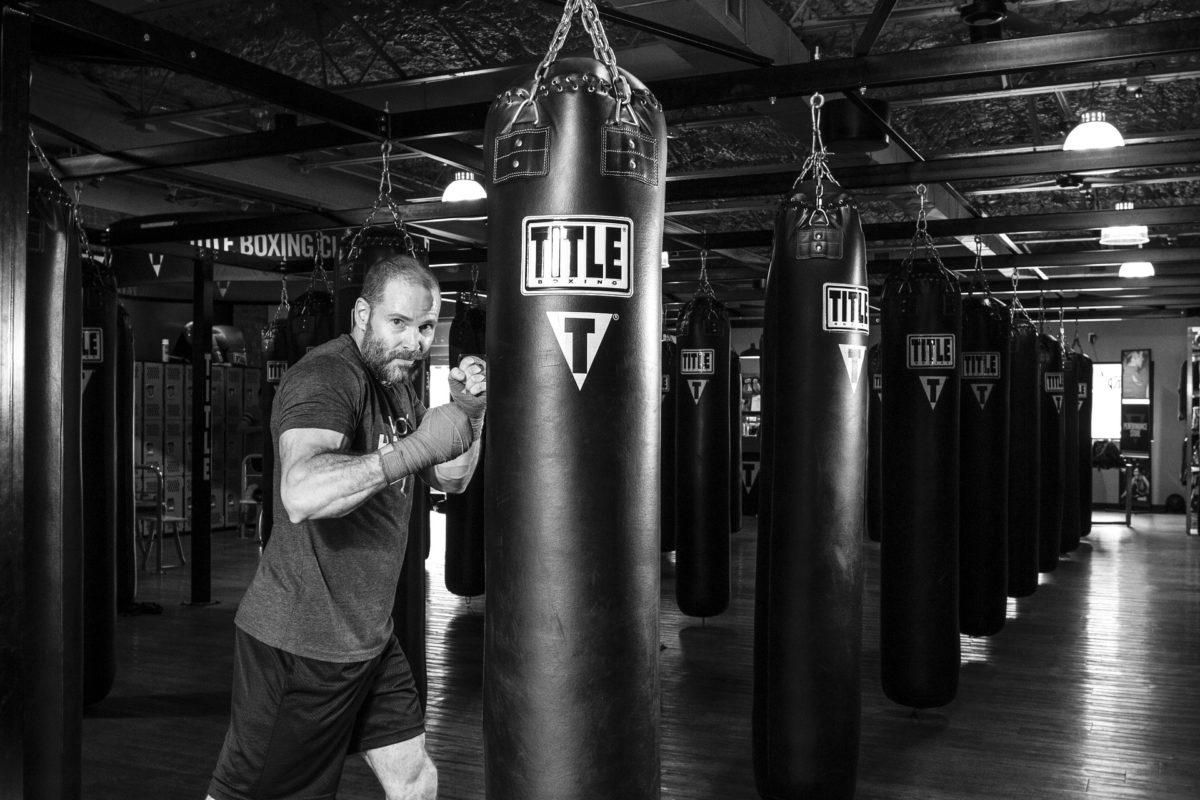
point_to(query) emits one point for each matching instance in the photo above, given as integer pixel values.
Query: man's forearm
(330, 485)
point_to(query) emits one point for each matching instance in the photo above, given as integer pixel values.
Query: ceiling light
(1136, 269)
(1124, 235)
(750, 352)
(463, 187)
(983, 12)
(1093, 133)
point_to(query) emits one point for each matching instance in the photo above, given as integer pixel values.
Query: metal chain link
(72, 198)
(817, 163)
(384, 197)
(601, 50)
(922, 239)
(705, 287)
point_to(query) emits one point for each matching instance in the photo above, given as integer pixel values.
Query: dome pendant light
(1124, 235)
(1093, 132)
(1136, 269)
(463, 187)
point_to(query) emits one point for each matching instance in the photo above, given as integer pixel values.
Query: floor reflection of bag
(1106, 454)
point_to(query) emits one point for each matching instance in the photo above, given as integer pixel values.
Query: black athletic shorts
(295, 719)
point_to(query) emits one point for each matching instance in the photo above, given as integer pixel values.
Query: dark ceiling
(257, 117)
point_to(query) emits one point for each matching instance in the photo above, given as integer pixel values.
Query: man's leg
(404, 769)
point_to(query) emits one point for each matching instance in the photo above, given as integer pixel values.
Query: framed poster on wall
(1136, 374)
(1138, 483)
(1136, 427)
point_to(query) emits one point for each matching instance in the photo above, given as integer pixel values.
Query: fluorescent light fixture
(463, 187)
(1136, 269)
(1093, 132)
(1124, 235)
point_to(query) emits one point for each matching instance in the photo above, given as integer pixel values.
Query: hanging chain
(384, 197)
(72, 198)
(1015, 307)
(475, 284)
(319, 273)
(922, 239)
(705, 287)
(817, 163)
(284, 302)
(601, 50)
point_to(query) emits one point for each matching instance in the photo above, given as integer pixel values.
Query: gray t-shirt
(325, 588)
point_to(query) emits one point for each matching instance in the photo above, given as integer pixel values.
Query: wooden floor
(1092, 690)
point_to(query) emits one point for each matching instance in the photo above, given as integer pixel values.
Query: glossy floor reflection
(1091, 691)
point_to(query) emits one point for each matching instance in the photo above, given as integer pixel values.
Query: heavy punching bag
(735, 442)
(277, 357)
(126, 501)
(1084, 459)
(1051, 444)
(1069, 434)
(408, 609)
(983, 466)
(464, 512)
(1024, 455)
(921, 328)
(53, 542)
(100, 491)
(575, 170)
(874, 436)
(808, 605)
(666, 482)
(702, 482)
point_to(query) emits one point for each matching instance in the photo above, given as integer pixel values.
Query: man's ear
(362, 313)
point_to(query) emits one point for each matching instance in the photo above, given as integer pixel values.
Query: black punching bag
(53, 542)
(808, 606)
(874, 436)
(702, 457)
(983, 467)
(277, 358)
(1069, 435)
(1050, 518)
(464, 511)
(666, 482)
(1024, 457)
(100, 492)
(735, 442)
(1084, 459)
(575, 181)
(408, 610)
(126, 501)
(921, 327)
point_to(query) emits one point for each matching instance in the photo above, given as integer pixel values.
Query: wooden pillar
(202, 313)
(14, 201)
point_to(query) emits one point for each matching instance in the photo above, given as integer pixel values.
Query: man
(318, 672)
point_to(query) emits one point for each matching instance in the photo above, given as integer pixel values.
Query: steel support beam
(770, 181)
(155, 45)
(1030, 54)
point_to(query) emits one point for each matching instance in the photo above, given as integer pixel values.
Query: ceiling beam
(849, 74)
(771, 180)
(155, 45)
(1028, 54)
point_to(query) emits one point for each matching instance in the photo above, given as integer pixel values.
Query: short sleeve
(319, 392)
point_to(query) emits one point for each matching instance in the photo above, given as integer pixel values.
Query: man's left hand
(468, 388)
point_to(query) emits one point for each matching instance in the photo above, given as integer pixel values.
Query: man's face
(399, 330)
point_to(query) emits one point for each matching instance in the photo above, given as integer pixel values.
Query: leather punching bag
(874, 436)
(1050, 519)
(735, 442)
(921, 322)
(808, 608)
(1085, 444)
(100, 492)
(1024, 457)
(702, 482)
(464, 511)
(983, 467)
(126, 501)
(53, 542)
(575, 174)
(277, 358)
(1069, 535)
(667, 447)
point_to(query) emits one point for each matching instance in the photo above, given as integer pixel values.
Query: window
(1106, 400)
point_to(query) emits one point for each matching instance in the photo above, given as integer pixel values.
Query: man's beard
(379, 359)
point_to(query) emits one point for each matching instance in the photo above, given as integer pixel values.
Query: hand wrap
(473, 405)
(445, 433)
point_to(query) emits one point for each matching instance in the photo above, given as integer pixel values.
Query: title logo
(981, 365)
(931, 350)
(577, 255)
(846, 309)
(696, 362)
(579, 334)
